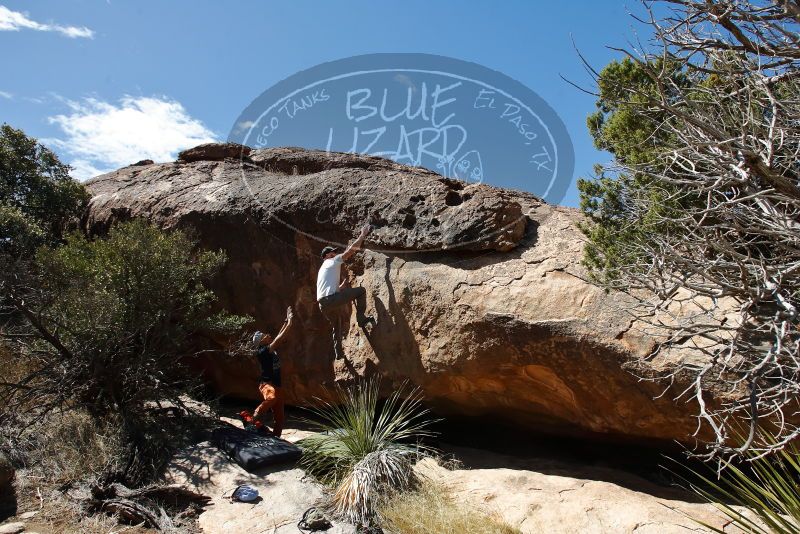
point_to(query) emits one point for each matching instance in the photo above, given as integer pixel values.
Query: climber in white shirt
(331, 293)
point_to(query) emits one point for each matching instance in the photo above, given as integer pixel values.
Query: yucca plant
(365, 449)
(765, 500)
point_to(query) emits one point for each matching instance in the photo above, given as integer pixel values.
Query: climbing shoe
(260, 428)
(246, 417)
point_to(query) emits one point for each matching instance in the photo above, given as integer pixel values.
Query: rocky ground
(285, 491)
(534, 494)
(538, 491)
(541, 495)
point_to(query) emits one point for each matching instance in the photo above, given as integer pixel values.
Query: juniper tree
(38, 199)
(699, 213)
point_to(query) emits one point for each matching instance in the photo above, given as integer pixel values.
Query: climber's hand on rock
(356, 245)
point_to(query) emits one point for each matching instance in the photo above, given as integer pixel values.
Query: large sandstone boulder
(478, 292)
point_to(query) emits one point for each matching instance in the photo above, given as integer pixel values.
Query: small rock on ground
(12, 528)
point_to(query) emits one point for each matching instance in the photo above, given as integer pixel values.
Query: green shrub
(107, 325)
(366, 450)
(38, 199)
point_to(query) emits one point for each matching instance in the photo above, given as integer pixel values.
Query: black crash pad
(253, 451)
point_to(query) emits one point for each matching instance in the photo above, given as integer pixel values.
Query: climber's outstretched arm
(281, 337)
(355, 246)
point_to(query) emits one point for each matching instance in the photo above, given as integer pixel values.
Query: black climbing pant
(331, 305)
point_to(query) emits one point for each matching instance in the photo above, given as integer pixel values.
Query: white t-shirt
(328, 277)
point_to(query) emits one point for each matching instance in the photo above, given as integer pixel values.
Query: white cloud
(5, 94)
(101, 136)
(244, 126)
(12, 21)
(83, 170)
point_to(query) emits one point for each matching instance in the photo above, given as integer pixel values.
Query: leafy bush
(107, 323)
(38, 199)
(366, 450)
(769, 491)
(431, 509)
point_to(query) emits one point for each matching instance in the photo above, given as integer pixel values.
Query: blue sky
(108, 82)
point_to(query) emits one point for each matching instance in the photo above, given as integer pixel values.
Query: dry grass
(63, 447)
(432, 509)
(57, 514)
(12, 369)
(77, 448)
(67, 449)
(52, 450)
(58, 449)
(57, 446)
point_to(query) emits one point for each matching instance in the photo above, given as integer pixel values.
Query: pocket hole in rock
(409, 221)
(453, 199)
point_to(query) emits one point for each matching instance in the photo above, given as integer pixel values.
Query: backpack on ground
(244, 493)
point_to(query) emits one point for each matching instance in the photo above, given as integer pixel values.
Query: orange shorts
(273, 400)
